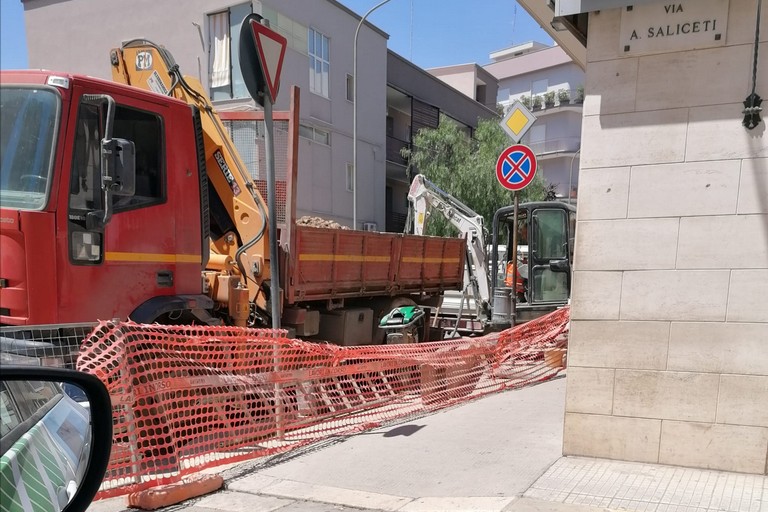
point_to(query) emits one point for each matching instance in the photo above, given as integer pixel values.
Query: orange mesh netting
(186, 398)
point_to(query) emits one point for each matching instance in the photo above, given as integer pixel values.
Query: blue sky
(430, 33)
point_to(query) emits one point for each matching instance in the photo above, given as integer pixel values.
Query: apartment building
(415, 100)
(203, 37)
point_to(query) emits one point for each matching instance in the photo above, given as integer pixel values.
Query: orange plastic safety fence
(186, 398)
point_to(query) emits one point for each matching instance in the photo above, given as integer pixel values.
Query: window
(350, 88)
(293, 31)
(145, 130)
(319, 62)
(28, 128)
(550, 242)
(9, 414)
(539, 87)
(538, 133)
(226, 80)
(315, 134)
(351, 177)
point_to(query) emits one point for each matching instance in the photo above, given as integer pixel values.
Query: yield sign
(516, 167)
(271, 50)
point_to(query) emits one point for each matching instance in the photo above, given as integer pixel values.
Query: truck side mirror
(118, 163)
(119, 177)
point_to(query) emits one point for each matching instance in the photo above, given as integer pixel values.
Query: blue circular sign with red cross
(516, 167)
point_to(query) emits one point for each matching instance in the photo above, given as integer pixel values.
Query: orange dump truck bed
(334, 263)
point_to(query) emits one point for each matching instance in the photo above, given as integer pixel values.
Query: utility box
(347, 327)
(311, 324)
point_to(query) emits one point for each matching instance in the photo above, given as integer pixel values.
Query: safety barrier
(187, 398)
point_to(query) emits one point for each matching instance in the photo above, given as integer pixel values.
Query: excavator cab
(545, 244)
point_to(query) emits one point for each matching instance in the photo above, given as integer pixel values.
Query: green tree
(465, 167)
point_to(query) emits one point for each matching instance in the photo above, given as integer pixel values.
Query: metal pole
(513, 310)
(354, 114)
(570, 175)
(274, 267)
(274, 283)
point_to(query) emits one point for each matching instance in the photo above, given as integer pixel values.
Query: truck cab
(100, 193)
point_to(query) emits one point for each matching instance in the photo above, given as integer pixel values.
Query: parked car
(52, 449)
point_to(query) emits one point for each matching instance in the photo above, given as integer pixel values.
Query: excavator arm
(239, 250)
(425, 197)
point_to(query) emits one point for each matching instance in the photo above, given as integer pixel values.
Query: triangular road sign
(271, 50)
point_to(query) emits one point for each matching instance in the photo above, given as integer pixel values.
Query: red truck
(128, 200)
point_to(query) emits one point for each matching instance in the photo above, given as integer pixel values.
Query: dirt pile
(319, 222)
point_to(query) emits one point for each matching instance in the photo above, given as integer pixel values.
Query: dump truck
(128, 200)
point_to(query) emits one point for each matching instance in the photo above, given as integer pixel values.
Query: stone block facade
(668, 354)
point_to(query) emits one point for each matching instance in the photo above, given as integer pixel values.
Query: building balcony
(557, 108)
(396, 222)
(394, 146)
(563, 146)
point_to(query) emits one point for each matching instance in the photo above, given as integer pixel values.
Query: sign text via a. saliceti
(673, 26)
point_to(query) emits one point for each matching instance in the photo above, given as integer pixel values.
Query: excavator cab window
(549, 251)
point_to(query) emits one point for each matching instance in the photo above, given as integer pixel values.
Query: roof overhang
(567, 21)
(571, 41)
(571, 7)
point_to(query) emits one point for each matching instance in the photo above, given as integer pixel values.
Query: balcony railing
(396, 222)
(394, 146)
(561, 145)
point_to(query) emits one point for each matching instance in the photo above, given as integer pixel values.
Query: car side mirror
(65, 414)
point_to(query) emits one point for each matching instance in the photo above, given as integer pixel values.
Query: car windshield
(29, 116)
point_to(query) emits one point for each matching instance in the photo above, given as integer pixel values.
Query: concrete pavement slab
(496, 446)
(649, 487)
(454, 504)
(336, 495)
(251, 483)
(230, 501)
(313, 506)
(537, 505)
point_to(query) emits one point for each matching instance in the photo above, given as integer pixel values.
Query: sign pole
(269, 151)
(274, 267)
(513, 310)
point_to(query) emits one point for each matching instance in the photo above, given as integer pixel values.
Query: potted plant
(580, 94)
(526, 101)
(549, 99)
(536, 102)
(563, 97)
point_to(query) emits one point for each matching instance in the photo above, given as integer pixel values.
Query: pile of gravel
(319, 222)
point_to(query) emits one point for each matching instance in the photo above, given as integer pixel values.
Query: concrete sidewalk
(500, 453)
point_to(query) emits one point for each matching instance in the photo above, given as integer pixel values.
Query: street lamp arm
(354, 113)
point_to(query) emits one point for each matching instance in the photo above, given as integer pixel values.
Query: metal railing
(394, 145)
(559, 145)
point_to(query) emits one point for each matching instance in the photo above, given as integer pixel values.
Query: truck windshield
(28, 120)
